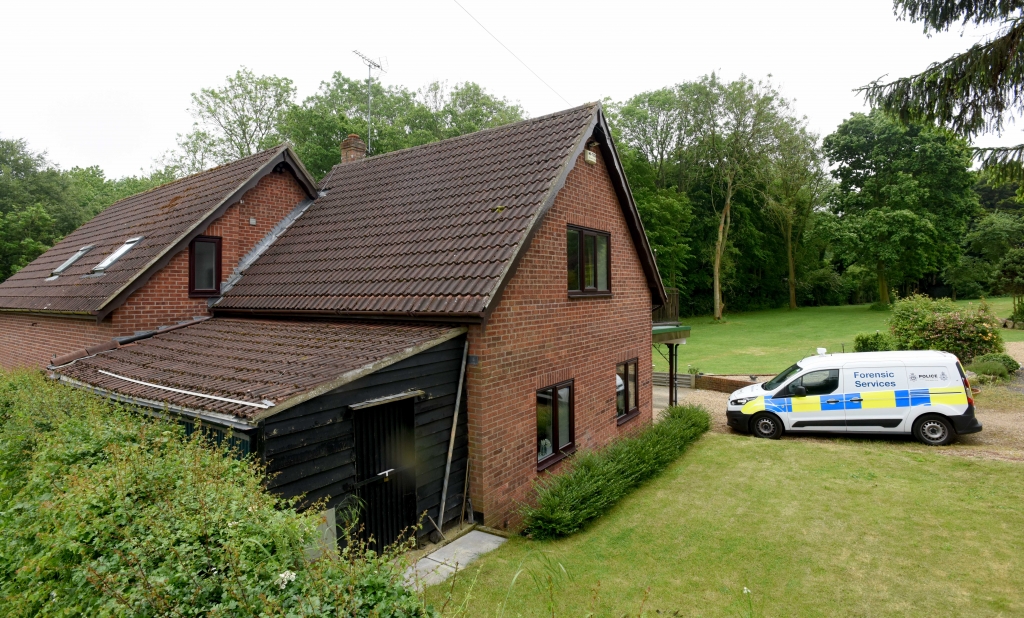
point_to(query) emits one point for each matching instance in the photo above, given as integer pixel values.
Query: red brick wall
(538, 336)
(31, 341)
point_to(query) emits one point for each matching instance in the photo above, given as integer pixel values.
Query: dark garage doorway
(385, 444)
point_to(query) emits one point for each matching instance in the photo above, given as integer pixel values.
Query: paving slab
(439, 565)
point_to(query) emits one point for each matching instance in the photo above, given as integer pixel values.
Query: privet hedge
(596, 480)
(104, 512)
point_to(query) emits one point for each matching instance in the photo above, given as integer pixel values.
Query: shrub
(105, 512)
(596, 480)
(874, 342)
(1003, 359)
(920, 323)
(990, 368)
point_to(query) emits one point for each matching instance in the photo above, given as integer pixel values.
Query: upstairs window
(116, 255)
(71, 260)
(204, 266)
(625, 389)
(589, 261)
(554, 423)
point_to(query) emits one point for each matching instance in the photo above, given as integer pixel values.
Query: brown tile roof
(252, 361)
(166, 217)
(425, 231)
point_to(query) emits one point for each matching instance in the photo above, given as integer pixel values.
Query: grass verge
(766, 342)
(811, 528)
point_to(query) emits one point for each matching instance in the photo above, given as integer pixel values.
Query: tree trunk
(883, 285)
(792, 264)
(723, 225)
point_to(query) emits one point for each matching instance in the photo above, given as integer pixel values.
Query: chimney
(352, 148)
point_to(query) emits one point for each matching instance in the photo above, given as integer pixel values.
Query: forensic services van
(923, 393)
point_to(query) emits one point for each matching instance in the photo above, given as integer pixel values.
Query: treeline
(749, 210)
(745, 207)
(41, 203)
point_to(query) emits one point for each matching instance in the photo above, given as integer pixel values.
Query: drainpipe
(451, 440)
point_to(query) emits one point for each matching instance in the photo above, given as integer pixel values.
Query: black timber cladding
(309, 449)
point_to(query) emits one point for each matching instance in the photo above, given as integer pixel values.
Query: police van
(923, 393)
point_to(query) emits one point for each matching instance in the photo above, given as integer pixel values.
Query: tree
(1011, 278)
(25, 233)
(994, 235)
(972, 92)
(728, 129)
(236, 120)
(793, 187)
(649, 122)
(885, 167)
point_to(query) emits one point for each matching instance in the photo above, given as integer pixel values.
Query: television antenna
(371, 64)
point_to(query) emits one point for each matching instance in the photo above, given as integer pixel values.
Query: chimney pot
(352, 148)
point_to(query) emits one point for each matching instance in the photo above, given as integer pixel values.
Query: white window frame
(71, 260)
(116, 255)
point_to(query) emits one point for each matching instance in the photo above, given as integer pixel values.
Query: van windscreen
(777, 381)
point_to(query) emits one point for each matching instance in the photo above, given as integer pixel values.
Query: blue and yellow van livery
(925, 393)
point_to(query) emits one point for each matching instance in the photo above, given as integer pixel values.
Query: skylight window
(116, 255)
(71, 260)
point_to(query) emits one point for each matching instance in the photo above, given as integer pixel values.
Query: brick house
(472, 310)
(133, 268)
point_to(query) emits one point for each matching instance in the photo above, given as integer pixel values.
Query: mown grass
(766, 342)
(811, 528)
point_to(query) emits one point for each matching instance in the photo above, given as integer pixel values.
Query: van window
(777, 381)
(820, 382)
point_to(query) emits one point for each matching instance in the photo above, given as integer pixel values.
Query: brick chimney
(352, 148)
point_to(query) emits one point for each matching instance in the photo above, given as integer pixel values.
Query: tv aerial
(371, 64)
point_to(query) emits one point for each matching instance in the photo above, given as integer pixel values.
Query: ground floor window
(554, 422)
(625, 388)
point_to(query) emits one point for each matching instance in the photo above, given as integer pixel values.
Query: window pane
(632, 386)
(588, 261)
(602, 262)
(564, 412)
(205, 263)
(573, 255)
(821, 382)
(620, 389)
(545, 428)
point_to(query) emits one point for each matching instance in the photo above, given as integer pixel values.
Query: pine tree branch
(969, 93)
(941, 15)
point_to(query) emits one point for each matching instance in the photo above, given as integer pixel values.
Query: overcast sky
(108, 84)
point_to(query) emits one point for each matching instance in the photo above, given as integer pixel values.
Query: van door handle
(831, 401)
(856, 400)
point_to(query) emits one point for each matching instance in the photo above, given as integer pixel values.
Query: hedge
(106, 512)
(565, 503)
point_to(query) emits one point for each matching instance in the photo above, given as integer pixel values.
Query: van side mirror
(799, 391)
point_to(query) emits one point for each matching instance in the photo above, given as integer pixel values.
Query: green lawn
(852, 527)
(764, 342)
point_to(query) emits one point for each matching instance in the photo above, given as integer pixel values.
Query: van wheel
(934, 430)
(765, 425)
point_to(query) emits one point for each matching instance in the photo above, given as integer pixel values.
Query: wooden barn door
(386, 469)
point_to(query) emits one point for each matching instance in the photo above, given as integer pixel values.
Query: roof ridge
(200, 173)
(456, 138)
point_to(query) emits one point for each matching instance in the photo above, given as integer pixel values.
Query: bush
(1003, 359)
(874, 342)
(105, 512)
(920, 323)
(596, 480)
(991, 368)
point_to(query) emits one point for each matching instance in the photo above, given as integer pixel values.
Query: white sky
(108, 83)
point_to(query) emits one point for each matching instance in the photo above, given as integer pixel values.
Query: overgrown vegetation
(104, 512)
(1005, 360)
(596, 480)
(921, 323)
(874, 342)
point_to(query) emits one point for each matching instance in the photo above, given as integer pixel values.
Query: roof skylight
(71, 260)
(116, 255)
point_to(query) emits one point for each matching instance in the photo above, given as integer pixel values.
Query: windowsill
(590, 294)
(625, 418)
(554, 459)
(210, 294)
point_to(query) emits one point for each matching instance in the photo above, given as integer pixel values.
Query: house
(149, 261)
(474, 310)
